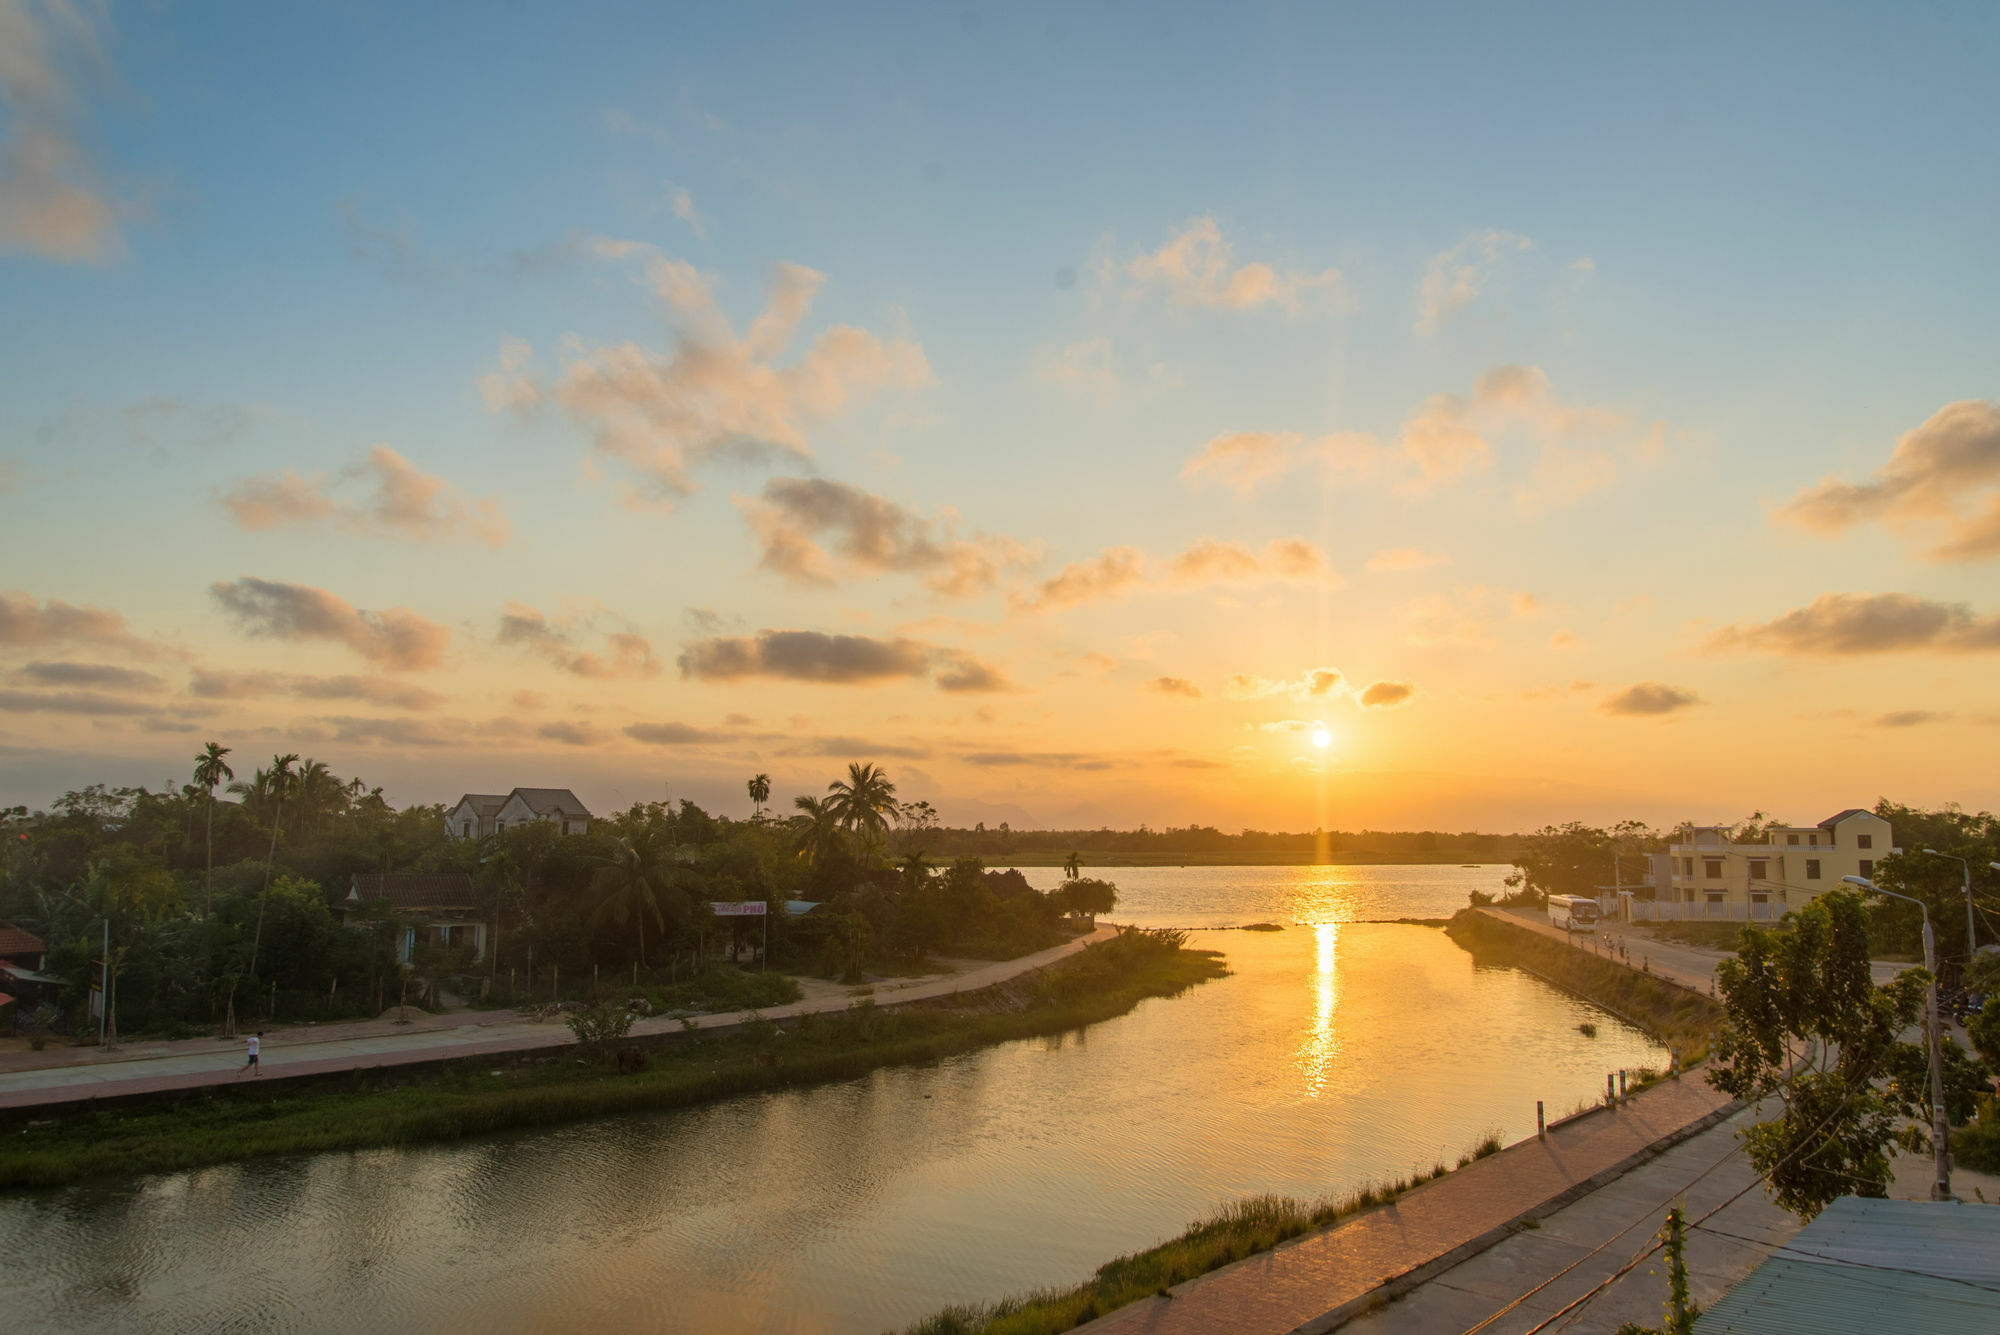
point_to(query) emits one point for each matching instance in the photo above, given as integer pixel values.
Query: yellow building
(1712, 876)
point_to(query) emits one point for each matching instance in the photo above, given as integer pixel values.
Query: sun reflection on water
(1322, 1042)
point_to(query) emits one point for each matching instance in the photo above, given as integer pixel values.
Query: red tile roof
(16, 941)
(417, 890)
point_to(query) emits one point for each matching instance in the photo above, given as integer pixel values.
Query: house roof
(416, 890)
(18, 941)
(1839, 816)
(483, 804)
(543, 801)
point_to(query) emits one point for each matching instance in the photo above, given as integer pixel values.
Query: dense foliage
(224, 898)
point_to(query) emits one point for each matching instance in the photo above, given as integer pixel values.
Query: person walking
(250, 1064)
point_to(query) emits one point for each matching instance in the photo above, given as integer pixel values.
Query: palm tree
(631, 880)
(760, 793)
(1072, 866)
(278, 783)
(864, 802)
(318, 791)
(211, 769)
(819, 830)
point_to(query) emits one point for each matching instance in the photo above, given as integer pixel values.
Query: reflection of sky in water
(1334, 1055)
(1233, 896)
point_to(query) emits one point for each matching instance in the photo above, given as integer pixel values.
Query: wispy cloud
(1120, 570)
(1650, 699)
(397, 639)
(1175, 686)
(1934, 483)
(209, 685)
(1197, 267)
(1454, 278)
(26, 623)
(98, 676)
(402, 502)
(835, 660)
(626, 653)
(52, 204)
(813, 531)
(1386, 694)
(1841, 624)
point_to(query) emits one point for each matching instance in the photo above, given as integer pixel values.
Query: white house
(480, 814)
(1708, 874)
(441, 905)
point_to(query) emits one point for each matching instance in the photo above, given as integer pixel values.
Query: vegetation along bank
(475, 1096)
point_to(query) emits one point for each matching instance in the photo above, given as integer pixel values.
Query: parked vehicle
(1574, 913)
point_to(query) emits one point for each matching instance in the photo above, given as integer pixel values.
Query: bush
(1977, 1146)
(599, 1025)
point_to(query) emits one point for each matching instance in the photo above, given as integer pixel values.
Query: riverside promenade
(289, 1053)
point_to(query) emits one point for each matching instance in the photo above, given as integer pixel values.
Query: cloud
(1650, 698)
(714, 394)
(1563, 639)
(1120, 570)
(1405, 558)
(1386, 694)
(569, 734)
(1454, 278)
(1175, 686)
(967, 675)
(671, 734)
(397, 639)
(1317, 683)
(418, 732)
(70, 702)
(798, 519)
(403, 503)
(804, 655)
(1103, 576)
(372, 690)
(1086, 367)
(51, 204)
(394, 252)
(1245, 460)
(1191, 762)
(1197, 268)
(25, 623)
(1037, 759)
(1933, 484)
(98, 675)
(849, 747)
(1909, 718)
(1838, 624)
(682, 206)
(627, 654)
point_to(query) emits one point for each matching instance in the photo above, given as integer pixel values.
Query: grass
(1245, 1228)
(1677, 1016)
(480, 1095)
(1706, 935)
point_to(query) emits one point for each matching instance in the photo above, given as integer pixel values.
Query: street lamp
(1967, 866)
(1940, 1136)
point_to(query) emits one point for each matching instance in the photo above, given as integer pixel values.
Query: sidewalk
(1690, 966)
(1325, 1279)
(195, 1063)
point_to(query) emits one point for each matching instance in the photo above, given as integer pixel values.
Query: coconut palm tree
(760, 793)
(211, 769)
(1072, 866)
(278, 783)
(864, 802)
(318, 793)
(631, 880)
(818, 830)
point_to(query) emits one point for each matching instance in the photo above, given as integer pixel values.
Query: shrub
(599, 1025)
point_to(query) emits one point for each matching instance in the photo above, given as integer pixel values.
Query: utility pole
(104, 985)
(1966, 867)
(1940, 1129)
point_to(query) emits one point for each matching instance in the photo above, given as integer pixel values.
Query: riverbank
(1445, 857)
(483, 1094)
(1676, 1015)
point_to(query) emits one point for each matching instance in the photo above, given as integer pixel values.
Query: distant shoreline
(1346, 858)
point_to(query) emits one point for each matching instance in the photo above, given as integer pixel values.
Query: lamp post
(1967, 867)
(1940, 1136)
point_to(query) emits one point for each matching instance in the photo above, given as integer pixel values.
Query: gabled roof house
(480, 814)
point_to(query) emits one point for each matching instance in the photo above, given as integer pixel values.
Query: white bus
(1574, 913)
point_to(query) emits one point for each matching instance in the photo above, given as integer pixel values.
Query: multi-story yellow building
(1712, 876)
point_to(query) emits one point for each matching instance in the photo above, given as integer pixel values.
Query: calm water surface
(1338, 1052)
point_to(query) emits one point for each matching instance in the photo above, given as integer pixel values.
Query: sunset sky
(1578, 411)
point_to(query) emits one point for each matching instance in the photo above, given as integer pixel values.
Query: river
(1339, 1052)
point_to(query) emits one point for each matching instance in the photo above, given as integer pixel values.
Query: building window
(1759, 869)
(1714, 896)
(1792, 839)
(1867, 868)
(1864, 841)
(499, 825)
(1812, 869)
(1712, 868)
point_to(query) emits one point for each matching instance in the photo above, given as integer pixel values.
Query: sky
(1266, 416)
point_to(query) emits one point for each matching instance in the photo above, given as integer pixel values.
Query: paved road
(193, 1064)
(1308, 1284)
(1691, 966)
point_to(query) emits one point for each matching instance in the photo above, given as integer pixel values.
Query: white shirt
(253, 1046)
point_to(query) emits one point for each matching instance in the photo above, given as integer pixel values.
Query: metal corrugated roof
(1869, 1266)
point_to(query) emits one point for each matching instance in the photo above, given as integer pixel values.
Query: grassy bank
(44, 1148)
(1243, 1229)
(1675, 1015)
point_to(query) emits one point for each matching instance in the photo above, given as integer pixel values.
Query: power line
(1845, 1260)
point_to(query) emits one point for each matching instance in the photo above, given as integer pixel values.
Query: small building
(21, 948)
(440, 904)
(1710, 875)
(477, 815)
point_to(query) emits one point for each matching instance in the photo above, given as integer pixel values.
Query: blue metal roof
(1869, 1267)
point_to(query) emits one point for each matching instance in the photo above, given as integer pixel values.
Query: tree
(760, 793)
(631, 881)
(211, 769)
(1088, 896)
(277, 784)
(818, 830)
(1806, 996)
(1570, 859)
(864, 802)
(1073, 865)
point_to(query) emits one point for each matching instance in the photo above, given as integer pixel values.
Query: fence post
(1674, 1062)
(1541, 1122)
(1621, 1084)
(1610, 1099)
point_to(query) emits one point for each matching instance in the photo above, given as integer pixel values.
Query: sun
(1322, 738)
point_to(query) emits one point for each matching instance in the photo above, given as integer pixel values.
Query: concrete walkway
(195, 1063)
(1690, 966)
(1319, 1282)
